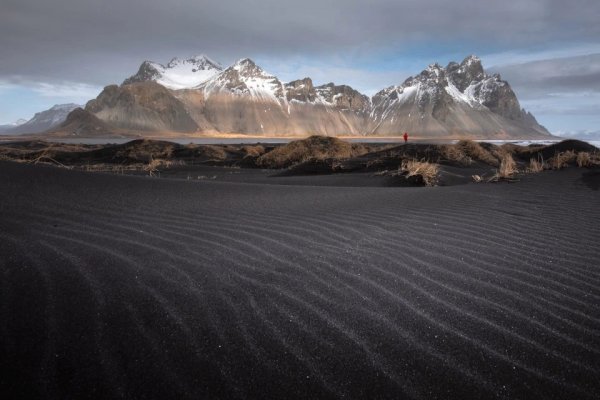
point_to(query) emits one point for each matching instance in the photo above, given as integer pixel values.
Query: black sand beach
(143, 288)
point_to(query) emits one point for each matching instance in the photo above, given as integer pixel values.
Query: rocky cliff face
(301, 90)
(148, 71)
(458, 100)
(83, 123)
(343, 97)
(145, 106)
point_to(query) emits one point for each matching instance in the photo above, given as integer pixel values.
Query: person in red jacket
(405, 136)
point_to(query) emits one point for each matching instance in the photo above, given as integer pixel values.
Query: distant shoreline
(240, 139)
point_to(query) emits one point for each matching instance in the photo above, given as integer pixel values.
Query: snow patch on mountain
(468, 96)
(188, 73)
(407, 93)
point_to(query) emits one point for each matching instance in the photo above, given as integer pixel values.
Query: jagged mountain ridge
(241, 99)
(459, 100)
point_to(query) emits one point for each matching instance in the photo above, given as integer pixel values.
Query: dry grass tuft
(156, 163)
(508, 166)
(562, 160)
(584, 159)
(464, 152)
(506, 170)
(205, 152)
(145, 150)
(212, 152)
(475, 151)
(535, 166)
(111, 168)
(499, 152)
(515, 148)
(427, 171)
(452, 152)
(595, 159)
(253, 151)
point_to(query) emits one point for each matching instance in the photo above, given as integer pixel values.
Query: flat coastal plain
(146, 288)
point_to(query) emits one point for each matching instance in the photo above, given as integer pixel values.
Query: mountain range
(5, 128)
(197, 96)
(41, 121)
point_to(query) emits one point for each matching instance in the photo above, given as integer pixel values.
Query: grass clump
(476, 151)
(144, 150)
(562, 159)
(584, 159)
(421, 170)
(253, 151)
(535, 166)
(506, 170)
(454, 153)
(508, 166)
(154, 164)
(211, 152)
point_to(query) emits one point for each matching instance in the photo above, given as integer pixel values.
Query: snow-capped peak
(179, 73)
(470, 60)
(243, 62)
(64, 107)
(245, 77)
(435, 67)
(201, 62)
(247, 67)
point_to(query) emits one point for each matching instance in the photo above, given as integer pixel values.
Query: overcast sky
(57, 51)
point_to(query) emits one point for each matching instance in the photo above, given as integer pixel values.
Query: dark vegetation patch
(413, 164)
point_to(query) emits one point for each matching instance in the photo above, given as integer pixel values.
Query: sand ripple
(121, 287)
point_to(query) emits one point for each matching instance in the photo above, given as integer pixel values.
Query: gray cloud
(581, 134)
(563, 93)
(103, 41)
(548, 78)
(74, 47)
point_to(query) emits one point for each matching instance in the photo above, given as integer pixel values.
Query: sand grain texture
(131, 287)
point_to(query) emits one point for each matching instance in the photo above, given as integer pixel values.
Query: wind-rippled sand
(131, 287)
